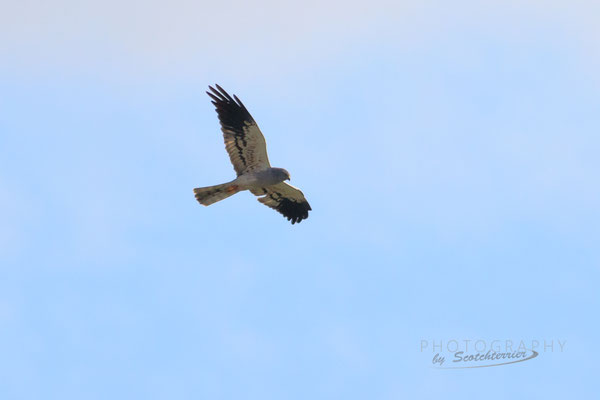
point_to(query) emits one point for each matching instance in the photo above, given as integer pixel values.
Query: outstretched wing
(285, 199)
(244, 141)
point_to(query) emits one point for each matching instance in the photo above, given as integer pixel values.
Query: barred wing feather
(244, 141)
(285, 199)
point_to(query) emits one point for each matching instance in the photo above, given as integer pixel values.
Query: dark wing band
(244, 141)
(287, 200)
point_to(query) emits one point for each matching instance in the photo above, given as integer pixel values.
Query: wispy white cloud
(264, 36)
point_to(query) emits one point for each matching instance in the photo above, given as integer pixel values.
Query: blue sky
(449, 153)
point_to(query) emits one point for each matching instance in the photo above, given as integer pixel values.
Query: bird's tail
(211, 194)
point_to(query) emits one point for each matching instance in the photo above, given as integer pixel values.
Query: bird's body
(266, 177)
(248, 153)
(252, 181)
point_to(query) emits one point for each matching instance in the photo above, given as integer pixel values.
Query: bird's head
(283, 174)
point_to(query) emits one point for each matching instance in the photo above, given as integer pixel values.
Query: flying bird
(247, 150)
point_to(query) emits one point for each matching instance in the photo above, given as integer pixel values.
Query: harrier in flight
(247, 150)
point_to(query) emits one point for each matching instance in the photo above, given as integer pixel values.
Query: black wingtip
(221, 94)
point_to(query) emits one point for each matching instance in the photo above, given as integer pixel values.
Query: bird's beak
(288, 178)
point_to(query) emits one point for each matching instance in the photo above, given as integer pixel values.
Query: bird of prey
(247, 150)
